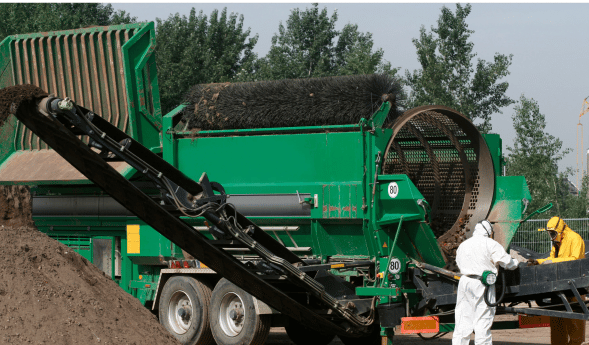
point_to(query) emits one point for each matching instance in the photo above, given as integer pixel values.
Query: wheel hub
(231, 314)
(185, 312)
(180, 312)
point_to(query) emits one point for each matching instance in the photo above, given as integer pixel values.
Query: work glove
(533, 262)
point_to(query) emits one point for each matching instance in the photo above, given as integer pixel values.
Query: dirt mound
(51, 295)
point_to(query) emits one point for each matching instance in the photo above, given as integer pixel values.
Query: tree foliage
(535, 154)
(446, 75)
(354, 54)
(22, 18)
(577, 206)
(196, 49)
(572, 201)
(310, 46)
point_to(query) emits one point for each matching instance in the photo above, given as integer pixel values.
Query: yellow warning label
(384, 245)
(337, 265)
(133, 239)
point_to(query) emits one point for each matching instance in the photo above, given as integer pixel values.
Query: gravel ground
(501, 337)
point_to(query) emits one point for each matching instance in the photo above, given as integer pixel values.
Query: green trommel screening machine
(319, 205)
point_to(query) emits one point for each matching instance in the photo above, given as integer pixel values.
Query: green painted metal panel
(495, 145)
(82, 223)
(447, 327)
(143, 99)
(80, 244)
(397, 197)
(376, 291)
(109, 70)
(417, 241)
(396, 201)
(338, 239)
(127, 267)
(340, 201)
(278, 163)
(508, 209)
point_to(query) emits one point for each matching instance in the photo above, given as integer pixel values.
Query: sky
(549, 43)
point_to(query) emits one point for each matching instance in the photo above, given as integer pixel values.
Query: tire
(301, 335)
(373, 338)
(233, 316)
(184, 310)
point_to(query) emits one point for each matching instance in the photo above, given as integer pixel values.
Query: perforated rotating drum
(448, 160)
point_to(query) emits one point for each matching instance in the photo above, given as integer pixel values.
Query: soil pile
(290, 103)
(49, 294)
(15, 206)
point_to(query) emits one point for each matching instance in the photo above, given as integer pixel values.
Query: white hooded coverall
(474, 256)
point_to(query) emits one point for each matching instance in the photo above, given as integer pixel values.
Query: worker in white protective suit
(474, 256)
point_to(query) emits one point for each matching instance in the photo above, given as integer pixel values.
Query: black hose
(502, 292)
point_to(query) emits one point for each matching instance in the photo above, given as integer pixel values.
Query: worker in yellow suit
(567, 245)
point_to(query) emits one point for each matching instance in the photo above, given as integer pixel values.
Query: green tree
(354, 54)
(22, 18)
(577, 206)
(310, 46)
(535, 154)
(446, 75)
(196, 49)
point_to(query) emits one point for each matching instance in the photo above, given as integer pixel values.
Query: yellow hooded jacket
(572, 247)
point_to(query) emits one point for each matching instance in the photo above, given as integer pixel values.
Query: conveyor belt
(64, 141)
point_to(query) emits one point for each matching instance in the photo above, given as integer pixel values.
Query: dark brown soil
(15, 206)
(48, 293)
(12, 96)
(51, 295)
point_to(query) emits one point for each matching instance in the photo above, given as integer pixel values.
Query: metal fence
(529, 237)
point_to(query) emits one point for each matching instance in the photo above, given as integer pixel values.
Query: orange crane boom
(584, 110)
